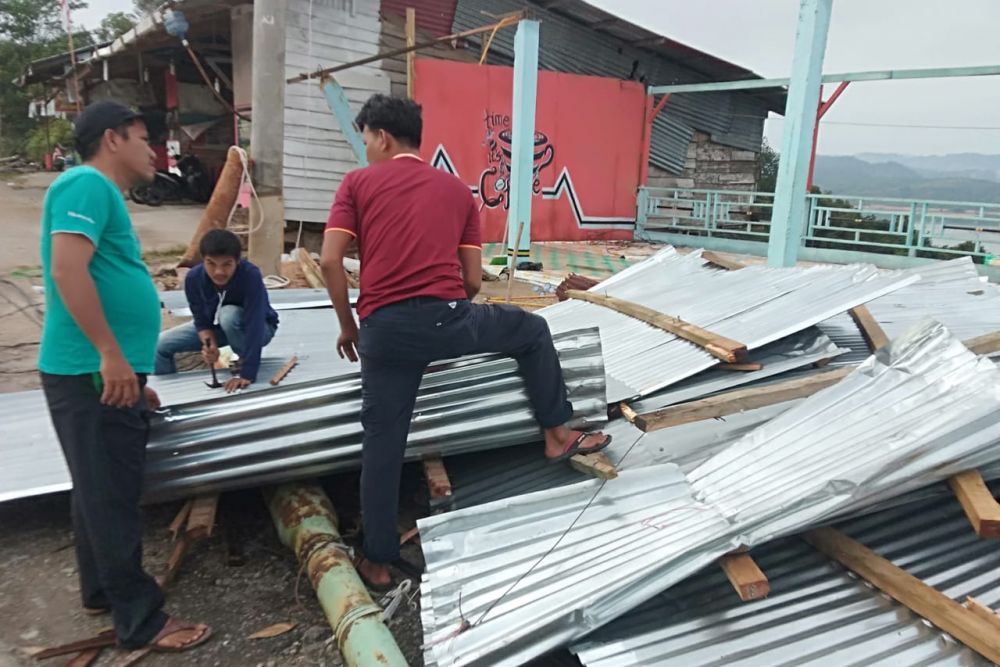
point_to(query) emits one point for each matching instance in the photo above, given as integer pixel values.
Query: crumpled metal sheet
(756, 305)
(817, 613)
(951, 292)
(305, 428)
(296, 298)
(314, 428)
(919, 411)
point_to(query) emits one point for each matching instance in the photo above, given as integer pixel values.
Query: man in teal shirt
(102, 320)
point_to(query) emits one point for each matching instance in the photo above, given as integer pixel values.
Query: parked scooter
(191, 184)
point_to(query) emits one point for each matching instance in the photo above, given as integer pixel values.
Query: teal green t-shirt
(84, 201)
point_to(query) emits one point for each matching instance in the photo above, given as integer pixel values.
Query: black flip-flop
(96, 611)
(573, 448)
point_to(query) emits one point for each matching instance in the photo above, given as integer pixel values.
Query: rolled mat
(216, 214)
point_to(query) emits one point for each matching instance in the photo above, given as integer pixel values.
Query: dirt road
(159, 229)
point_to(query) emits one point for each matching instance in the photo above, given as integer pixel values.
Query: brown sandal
(182, 626)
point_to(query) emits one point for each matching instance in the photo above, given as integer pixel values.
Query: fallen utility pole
(307, 523)
(962, 623)
(728, 350)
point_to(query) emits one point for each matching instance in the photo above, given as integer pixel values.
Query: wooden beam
(598, 465)
(437, 478)
(980, 506)
(280, 374)
(627, 412)
(744, 367)
(181, 519)
(963, 624)
(871, 330)
(411, 41)
(746, 577)
(724, 262)
(202, 518)
(982, 611)
(719, 346)
(988, 344)
(310, 269)
(732, 402)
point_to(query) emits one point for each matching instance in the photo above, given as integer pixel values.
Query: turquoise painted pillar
(800, 121)
(336, 99)
(522, 151)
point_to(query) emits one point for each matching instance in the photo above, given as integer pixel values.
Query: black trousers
(105, 449)
(396, 343)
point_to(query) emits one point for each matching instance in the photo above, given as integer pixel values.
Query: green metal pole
(307, 524)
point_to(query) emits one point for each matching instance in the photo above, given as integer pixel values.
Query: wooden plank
(746, 577)
(744, 368)
(84, 658)
(961, 623)
(598, 465)
(627, 412)
(437, 478)
(180, 519)
(411, 40)
(284, 370)
(100, 640)
(310, 269)
(980, 506)
(724, 262)
(988, 344)
(202, 519)
(739, 400)
(982, 611)
(719, 346)
(871, 330)
(174, 562)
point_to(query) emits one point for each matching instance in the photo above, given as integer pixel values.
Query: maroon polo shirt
(410, 219)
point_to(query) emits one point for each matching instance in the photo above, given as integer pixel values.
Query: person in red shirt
(417, 230)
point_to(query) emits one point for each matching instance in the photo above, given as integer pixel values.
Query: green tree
(29, 29)
(143, 7)
(768, 168)
(42, 139)
(113, 25)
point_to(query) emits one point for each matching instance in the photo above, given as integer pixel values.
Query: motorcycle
(191, 183)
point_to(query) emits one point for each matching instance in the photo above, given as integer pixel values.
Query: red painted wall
(589, 146)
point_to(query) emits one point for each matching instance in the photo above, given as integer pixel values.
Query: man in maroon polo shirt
(421, 264)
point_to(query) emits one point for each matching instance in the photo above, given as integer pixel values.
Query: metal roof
(867, 439)
(579, 38)
(295, 298)
(952, 292)
(314, 428)
(210, 441)
(756, 305)
(817, 613)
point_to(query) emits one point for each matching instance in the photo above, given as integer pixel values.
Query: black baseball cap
(101, 116)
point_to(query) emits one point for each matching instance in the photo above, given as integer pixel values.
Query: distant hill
(967, 165)
(908, 179)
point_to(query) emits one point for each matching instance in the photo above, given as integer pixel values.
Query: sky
(864, 35)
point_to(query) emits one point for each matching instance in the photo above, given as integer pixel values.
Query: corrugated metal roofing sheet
(756, 305)
(817, 614)
(869, 438)
(434, 16)
(952, 292)
(314, 428)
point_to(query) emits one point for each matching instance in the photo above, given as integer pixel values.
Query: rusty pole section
(307, 524)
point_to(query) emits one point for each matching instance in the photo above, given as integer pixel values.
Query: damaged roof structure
(513, 558)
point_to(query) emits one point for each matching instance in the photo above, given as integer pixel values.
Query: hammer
(215, 384)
